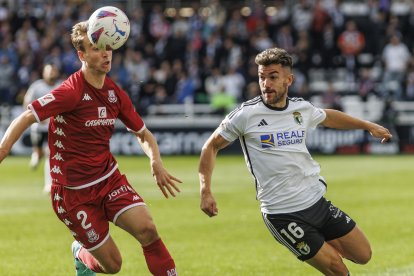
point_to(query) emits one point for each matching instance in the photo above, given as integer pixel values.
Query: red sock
(89, 260)
(159, 260)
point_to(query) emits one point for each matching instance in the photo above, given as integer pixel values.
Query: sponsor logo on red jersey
(46, 99)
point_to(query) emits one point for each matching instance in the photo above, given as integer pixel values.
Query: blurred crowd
(206, 54)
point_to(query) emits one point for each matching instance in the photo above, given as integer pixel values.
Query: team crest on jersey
(298, 118)
(112, 97)
(267, 141)
(303, 248)
(46, 99)
(92, 235)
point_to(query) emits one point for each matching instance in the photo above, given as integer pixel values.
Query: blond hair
(78, 34)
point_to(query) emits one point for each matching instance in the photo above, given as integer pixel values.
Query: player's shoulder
(298, 101)
(76, 81)
(246, 107)
(111, 84)
(37, 83)
(252, 102)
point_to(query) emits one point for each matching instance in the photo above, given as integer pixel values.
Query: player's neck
(96, 79)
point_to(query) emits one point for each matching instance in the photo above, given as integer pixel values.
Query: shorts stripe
(126, 208)
(95, 181)
(99, 244)
(278, 237)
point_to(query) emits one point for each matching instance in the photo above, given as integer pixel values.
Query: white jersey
(36, 90)
(273, 142)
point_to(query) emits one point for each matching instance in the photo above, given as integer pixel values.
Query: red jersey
(81, 126)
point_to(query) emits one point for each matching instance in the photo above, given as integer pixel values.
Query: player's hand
(165, 181)
(208, 205)
(3, 154)
(378, 131)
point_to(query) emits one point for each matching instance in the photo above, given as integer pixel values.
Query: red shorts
(87, 212)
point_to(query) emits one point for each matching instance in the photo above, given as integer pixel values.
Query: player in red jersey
(88, 190)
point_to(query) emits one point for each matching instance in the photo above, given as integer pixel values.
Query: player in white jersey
(272, 130)
(38, 131)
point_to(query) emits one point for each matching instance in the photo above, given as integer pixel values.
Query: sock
(159, 260)
(89, 260)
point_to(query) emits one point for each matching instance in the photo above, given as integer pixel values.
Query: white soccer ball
(108, 28)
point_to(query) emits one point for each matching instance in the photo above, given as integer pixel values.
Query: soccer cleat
(81, 268)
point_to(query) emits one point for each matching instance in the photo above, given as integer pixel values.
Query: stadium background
(187, 63)
(376, 190)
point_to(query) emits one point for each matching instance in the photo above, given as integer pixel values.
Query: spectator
(409, 86)
(214, 83)
(331, 99)
(302, 16)
(329, 49)
(351, 42)
(366, 84)
(320, 18)
(284, 39)
(217, 34)
(233, 83)
(7, 75)
(222, 102)
(185, 89)
(395, 57)
(236, 27)
(280, 17)
(252, 90)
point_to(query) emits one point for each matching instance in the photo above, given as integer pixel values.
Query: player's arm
(205, 170)
(14, 131)
(165, 181)
(340, 120)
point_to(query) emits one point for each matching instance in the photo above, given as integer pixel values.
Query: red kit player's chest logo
(102, 112)
(112, 97)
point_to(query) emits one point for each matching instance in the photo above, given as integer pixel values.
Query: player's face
(50, 74)
(96, 59)
(274, 81)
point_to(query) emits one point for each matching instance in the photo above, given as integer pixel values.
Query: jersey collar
(277, 108)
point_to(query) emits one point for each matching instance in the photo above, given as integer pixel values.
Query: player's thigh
(85, 219)
(138, 222)
(353, 246)
(127, 209)
(297, 235)
(108, 255)
(328, 261)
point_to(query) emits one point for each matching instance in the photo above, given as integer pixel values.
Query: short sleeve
(318, 115)
(232, 126)
(62, 99)
(128, 115)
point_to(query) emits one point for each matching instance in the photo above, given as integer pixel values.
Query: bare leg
(328, 261)
(354, 246)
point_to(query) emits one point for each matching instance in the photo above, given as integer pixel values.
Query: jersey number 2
(81, 215)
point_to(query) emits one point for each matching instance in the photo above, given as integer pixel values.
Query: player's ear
(81, 55)
(290, 79)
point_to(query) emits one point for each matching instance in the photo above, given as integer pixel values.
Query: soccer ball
(108, 28)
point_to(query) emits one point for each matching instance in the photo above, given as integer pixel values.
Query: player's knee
(114, 266)
(148, 233)
(364, 257)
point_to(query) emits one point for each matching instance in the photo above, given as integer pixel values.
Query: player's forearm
(205, 170)
(149, 146)
(14, 131)
(340, 120)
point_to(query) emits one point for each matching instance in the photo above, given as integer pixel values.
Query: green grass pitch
(377, 191)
